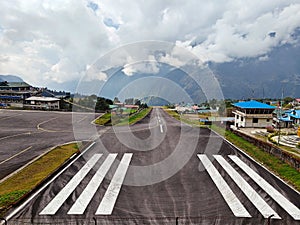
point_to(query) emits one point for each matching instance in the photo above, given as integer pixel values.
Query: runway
(160, 171)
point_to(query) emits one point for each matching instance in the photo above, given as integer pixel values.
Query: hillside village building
(45, 103)
(14, 93)
(253, 114)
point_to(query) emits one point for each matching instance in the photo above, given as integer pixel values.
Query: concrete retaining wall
(272, 149)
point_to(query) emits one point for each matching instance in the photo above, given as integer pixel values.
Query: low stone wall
(272, 149)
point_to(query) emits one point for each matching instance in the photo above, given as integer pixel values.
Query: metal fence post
(2, 219)
(269, 219)
(95, 220)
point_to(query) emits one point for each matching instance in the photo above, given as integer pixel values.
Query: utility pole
(280, 113)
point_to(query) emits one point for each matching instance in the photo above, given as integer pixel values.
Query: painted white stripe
(161, 128)
(90, 190)
(289, 207)
(251, 194)
(47, 184)
(110, 197)
(233, 202)
(62, 196)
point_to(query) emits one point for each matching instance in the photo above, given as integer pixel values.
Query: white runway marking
(90, 190)
(62, 196)
(233, 202)
(161, 128)
(251, 194)
(110, 197)
(289, 207)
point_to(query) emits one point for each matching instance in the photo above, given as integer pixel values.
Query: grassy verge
(277, 166)
(134, 117)
(103, 120)
(185, 119)
(21, 183)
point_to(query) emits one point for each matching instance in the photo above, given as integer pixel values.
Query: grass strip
(184, 119)
(103, 120)
(276, 165)
(136, 117)
(15, 187)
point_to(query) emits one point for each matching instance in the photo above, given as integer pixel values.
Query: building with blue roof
(287, 118)
(253, 114)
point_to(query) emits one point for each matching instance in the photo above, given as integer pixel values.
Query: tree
(102, 104)
(116, 100)
(287, 100)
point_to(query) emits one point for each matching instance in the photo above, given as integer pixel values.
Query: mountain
(10, 78)
(266, 77)
(155, 101)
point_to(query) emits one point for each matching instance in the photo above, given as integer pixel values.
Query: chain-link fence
(157, 220)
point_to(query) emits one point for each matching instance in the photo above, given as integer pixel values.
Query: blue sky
(50, 42)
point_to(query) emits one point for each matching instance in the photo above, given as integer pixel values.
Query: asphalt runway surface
(161, 172)
(25, 135)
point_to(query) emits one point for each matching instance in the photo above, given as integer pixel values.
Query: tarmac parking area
(24, 135)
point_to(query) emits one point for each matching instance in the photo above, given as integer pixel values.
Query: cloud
(143, 67)
(48, 41)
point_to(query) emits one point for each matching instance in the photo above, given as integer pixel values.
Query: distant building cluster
(23, 95)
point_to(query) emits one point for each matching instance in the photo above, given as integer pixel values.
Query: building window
(255, 120)
(242, 118)
(268, 120)
(237, 117)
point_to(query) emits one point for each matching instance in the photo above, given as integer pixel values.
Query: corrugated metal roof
(295, 114)
(253, 105)
(285, 119)
(42, 99)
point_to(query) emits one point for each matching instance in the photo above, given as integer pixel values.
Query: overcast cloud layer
(55, 41)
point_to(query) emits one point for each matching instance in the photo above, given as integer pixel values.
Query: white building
(47, 103)
(253, 114)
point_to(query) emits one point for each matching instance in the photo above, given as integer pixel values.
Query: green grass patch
(133, 118)
(279, 167)
(185, 119)
(129, 116)
(21, 183)
(103, 120)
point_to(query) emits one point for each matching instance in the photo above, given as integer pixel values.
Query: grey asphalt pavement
(160, 171)
(25, 135)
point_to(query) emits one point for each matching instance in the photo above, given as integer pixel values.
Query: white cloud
(48, 41)
(149, 66)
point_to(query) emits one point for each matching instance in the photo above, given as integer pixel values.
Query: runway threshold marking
(232, 201)
(251, 194)
(90, 190)
(110, 197)
(19, 153)
(62, 196)
(289, 207)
